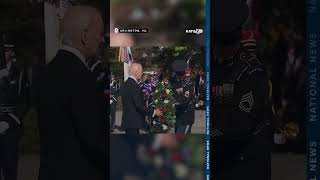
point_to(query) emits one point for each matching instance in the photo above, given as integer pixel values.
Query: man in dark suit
(72, 113)
(134, 109)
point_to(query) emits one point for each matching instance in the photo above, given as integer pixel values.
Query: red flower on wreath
(164, 95)
(162, 121)
(163, 173)
(177, 157)
(180, 137)
(164, 110)
(152, 153)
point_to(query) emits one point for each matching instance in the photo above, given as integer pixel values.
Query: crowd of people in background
(280, 46)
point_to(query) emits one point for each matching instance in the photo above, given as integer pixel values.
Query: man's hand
(4, 126)
(158, 112)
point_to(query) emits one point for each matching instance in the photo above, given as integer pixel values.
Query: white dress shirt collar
(75, 52)
(134, 79)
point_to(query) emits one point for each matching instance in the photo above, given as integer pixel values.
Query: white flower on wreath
(166, 101)
(181, 170)
(168, 91)
(156, 101)
(157, 91)
(164, 127)
(154, 123)
(158, 161)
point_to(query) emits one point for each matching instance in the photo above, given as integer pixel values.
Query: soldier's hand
(158, 112)
(279, 138)
(111, 101)
(180, 90)
(4, 126)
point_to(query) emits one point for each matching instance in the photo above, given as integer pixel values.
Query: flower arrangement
(147, 89)
(182, 161)
(163, 99)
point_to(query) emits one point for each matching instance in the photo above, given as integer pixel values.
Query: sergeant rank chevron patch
(246, 102)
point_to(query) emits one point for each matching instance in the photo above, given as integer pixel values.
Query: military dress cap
(179, 66)
(228, 18)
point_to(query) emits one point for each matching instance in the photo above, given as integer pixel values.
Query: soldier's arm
(117, 93)
(192, 91)
(23, 95)
(22, 105)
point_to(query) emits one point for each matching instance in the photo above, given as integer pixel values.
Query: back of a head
(76, 20)
(135, 67)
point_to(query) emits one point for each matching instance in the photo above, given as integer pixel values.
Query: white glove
(279, 138)
(180, 90)
(4, 126)
(4, 73)
(111, 101)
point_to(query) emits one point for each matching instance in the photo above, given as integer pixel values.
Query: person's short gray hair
(134, 67)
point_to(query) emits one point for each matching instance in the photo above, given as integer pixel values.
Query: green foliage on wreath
(163, 99)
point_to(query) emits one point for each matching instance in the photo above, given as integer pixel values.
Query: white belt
(185, 132)
(6, 109)
(15, 118)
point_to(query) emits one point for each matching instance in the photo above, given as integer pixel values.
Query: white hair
(76, 20)
(134, 68)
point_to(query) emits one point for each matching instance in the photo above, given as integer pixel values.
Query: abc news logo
(194, 31)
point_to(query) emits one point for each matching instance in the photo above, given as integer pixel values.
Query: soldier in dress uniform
(114, 94)
(242, 110)
(13, 106)
(184, 94)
